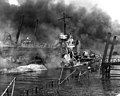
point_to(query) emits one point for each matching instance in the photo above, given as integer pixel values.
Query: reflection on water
(96, 87)
(27, 80)
(4, 81)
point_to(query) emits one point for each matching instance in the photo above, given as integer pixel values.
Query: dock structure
(109, 61)
(70, 75)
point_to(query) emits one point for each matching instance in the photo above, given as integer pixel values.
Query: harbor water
(92, 86)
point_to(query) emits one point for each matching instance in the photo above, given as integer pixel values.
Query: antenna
(64, 17)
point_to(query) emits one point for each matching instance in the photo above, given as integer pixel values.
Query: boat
(73, 57)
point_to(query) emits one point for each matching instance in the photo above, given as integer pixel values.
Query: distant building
(27, 42)
(6, 45)
(8, 40)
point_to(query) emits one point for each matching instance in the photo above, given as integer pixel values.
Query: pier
(108, 62)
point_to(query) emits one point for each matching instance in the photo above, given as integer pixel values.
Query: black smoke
(95, 23)
(86, 26)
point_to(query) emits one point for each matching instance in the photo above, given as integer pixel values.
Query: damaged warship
(74, 60)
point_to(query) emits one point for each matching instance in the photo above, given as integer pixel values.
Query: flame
(13, 2)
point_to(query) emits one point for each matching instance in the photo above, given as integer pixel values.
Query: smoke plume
(92, 25)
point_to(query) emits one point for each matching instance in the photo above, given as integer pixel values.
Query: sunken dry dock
(46, 84)
(80, 82)
(39, 22)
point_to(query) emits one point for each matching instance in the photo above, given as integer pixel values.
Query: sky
(111, 7)
(13, 2)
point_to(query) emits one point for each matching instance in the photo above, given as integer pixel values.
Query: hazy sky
(109, 6)
(15, 2)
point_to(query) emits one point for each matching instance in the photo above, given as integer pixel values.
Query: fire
(13, 2)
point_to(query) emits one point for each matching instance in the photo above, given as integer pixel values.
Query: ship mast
(63, 18)
(36, 26)
(19, 30)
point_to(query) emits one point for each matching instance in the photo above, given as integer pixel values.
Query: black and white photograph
(59, 47)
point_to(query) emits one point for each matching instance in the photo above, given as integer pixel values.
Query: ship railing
(6, 91)
(60, 82)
